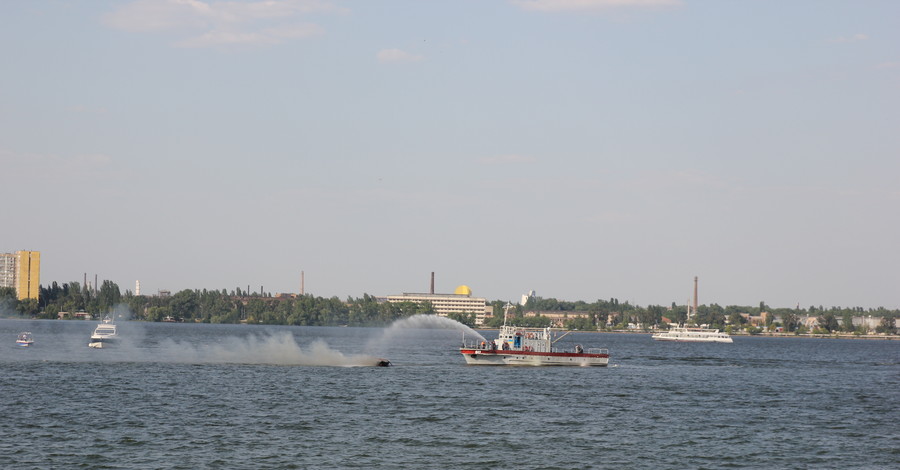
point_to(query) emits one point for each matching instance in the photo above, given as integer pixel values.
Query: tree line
(236, 306)
(613, 315)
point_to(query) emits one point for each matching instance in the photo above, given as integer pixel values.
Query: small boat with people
(104, 334)
(530, 347)
(694, 335)
(25, 339)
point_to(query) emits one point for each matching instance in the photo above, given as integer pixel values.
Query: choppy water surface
(233, 396)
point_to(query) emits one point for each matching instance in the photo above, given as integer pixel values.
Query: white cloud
(397, 55)
(854, 38)
(581, 5)
(59, 169)
(266, 37)
(220, 22)
(507, 159)
(676, 179)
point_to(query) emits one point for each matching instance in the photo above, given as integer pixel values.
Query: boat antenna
(506, 312)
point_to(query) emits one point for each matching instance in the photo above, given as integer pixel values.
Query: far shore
(744, 334)
(788, 335)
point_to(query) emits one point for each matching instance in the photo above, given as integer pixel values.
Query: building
(460, 301)
(8, 270)
(21, 270)
(559, 318)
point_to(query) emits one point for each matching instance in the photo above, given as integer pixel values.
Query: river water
(189, 396)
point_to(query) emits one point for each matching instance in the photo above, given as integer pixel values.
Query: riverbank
(823, 336)
(786, 335)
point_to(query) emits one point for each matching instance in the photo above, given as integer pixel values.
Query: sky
(583, 149)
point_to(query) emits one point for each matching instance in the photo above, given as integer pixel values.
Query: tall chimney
(695, 293)
(302, 282)
(432, 282)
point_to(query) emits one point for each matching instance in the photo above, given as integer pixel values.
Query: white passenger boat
(24, 339)
(530, 347)
(695, 335)
(104, 334)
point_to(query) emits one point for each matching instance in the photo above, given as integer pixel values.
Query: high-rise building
(22, 271)
(8, 270)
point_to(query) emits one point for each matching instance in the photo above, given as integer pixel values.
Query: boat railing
(598, 351)
(484, 345)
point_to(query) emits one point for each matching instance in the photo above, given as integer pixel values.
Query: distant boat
(694, 335)
(104, 334)
(25, 339)
(169, 319)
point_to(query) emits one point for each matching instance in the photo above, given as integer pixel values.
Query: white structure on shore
(460, 301)
(530, 295)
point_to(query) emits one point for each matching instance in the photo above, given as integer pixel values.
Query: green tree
(583, 323)
(28, 307)
(735, 320)
(467, 319)
(8, 301)
(109, 296)
(829, 322)
(888, 325)
(847, 320)
(789, 320)
(184, 304)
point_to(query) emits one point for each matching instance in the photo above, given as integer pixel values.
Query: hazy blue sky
(585, 149)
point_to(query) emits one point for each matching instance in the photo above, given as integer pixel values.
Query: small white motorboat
(104, 334)
(25, 339)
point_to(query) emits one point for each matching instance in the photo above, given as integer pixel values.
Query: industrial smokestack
(302, 283)
(695, 293)
(432, 282)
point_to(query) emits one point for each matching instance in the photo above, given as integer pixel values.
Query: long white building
(461, 301)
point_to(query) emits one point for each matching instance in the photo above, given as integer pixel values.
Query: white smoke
(275, 349)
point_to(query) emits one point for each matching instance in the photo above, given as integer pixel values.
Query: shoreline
(748, 335)
(789, 335)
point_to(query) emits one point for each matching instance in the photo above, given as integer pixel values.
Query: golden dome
(463, 290)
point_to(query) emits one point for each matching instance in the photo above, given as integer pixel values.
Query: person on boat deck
(482, 345)
(493, 345)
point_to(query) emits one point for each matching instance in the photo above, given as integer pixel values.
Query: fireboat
(530, 347)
